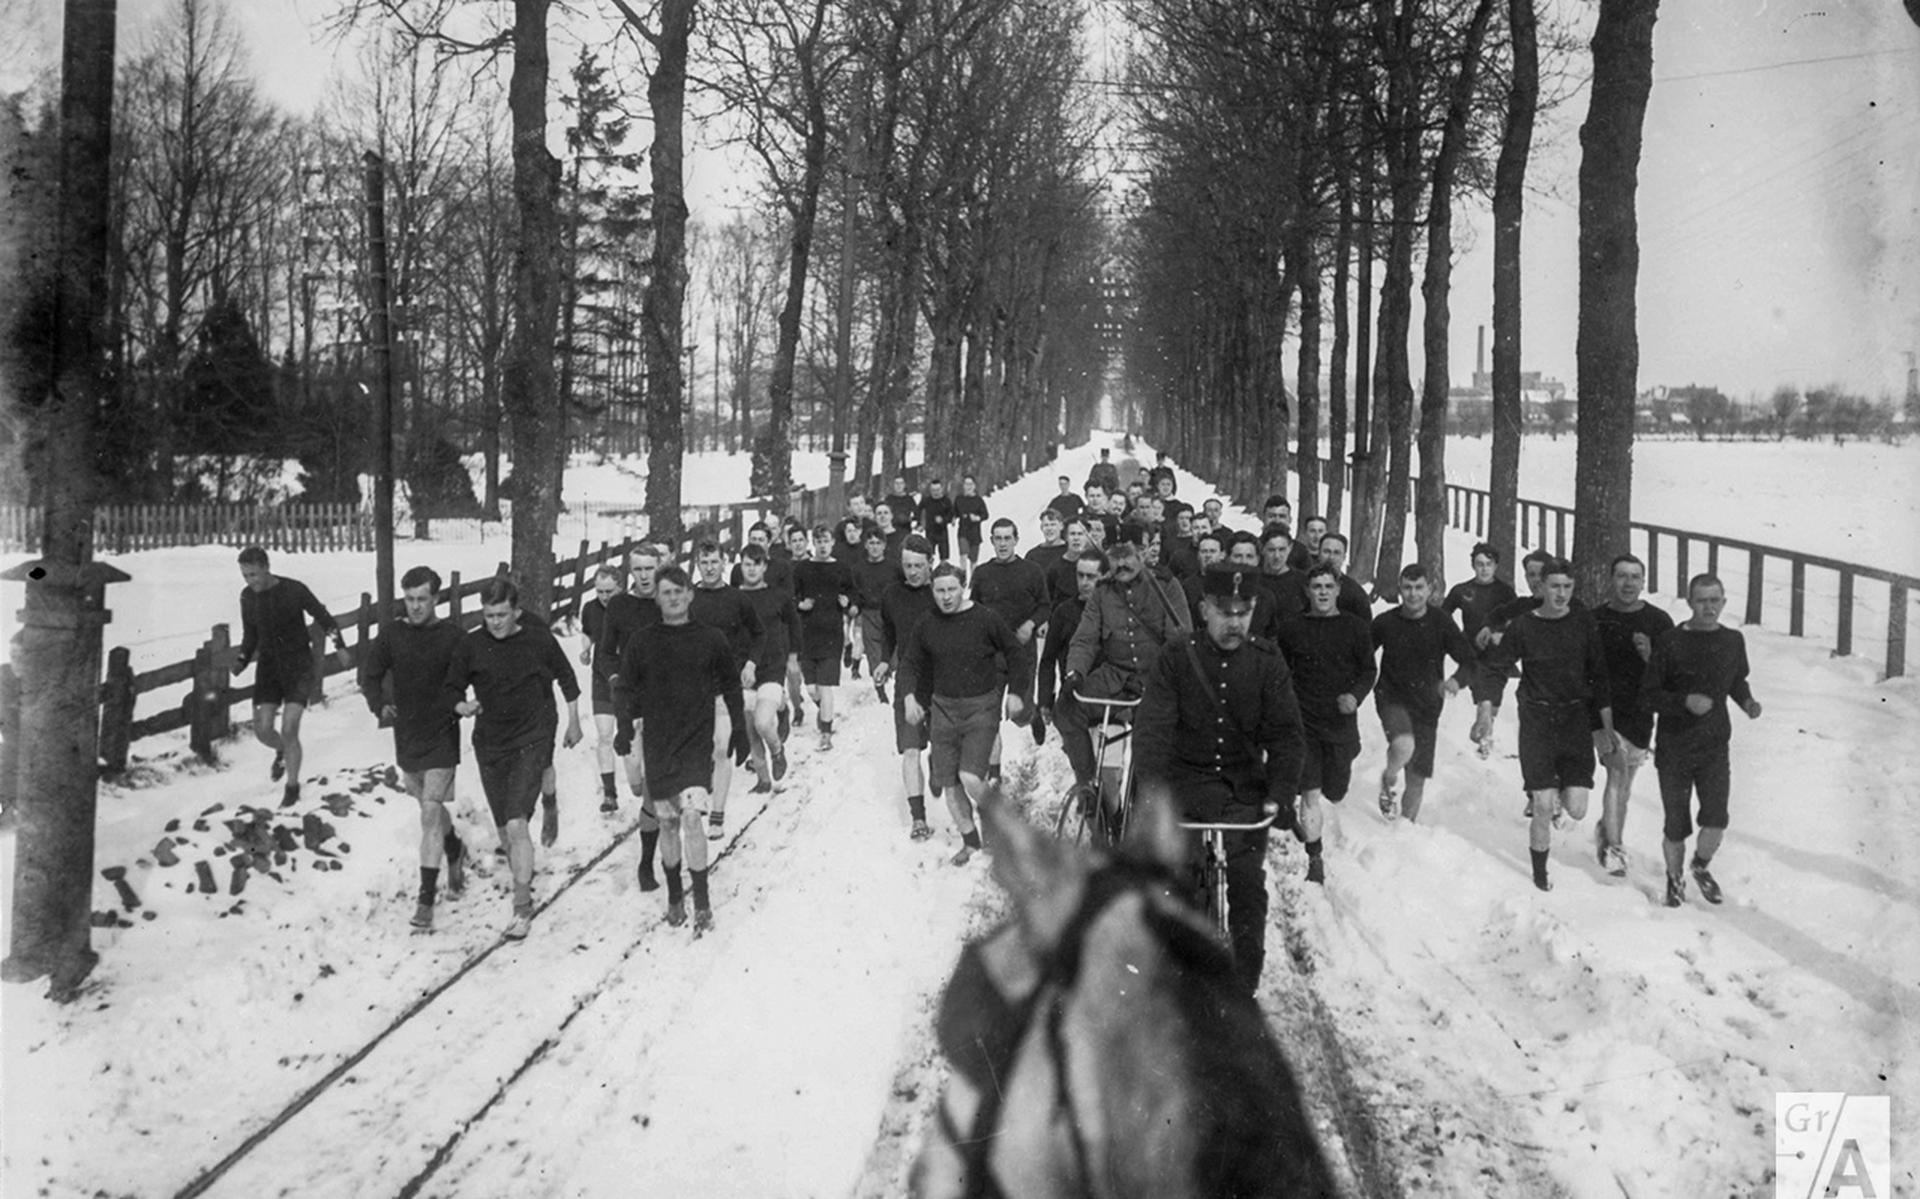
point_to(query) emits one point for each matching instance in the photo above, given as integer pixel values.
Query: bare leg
(1708, 843)
(290, 739)
(693, 832)
(519, 862)
(266, 730)
(1613, 801)
(1416, 790)
(1399, 753)
(1540, 830)
(1312, 819)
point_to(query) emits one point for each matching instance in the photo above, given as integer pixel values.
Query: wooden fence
(125, 528)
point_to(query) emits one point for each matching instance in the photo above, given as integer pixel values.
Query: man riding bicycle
(1218, 730)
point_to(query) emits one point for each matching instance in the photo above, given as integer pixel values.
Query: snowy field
(1586, 1042)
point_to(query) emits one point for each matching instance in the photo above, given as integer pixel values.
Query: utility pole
(58, 654)
(382, 331)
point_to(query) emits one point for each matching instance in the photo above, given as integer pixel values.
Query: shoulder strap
(1182, 619)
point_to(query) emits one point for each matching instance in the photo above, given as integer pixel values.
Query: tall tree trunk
(1607, 345)
(1430, 506)
(1369, 465)
(1392, 371)
(1337, 369)
(787, 345)
(530, 397)
(662, 305)
(58, 655)
(1307, 383)
(1509, 196)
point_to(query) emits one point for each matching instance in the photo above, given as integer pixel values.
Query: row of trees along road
(1295, 153)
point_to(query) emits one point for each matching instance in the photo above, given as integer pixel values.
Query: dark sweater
(936, 516)
(1329, 656)
(406, 666)
(1412, 655)
(871, 580)
(669, 676)
(1061, 623)
(1687, 662)
(1632, 719)
(957, 656)
(901, 610)
(273, 622)
(970, 519)
(513, 679)
(830, 586)
(1473, 602)
(780, 631)
(1016, 589)
(608, 626)
(1560, 660)
(726, 609)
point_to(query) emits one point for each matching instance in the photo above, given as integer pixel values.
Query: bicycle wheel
(1072, 823)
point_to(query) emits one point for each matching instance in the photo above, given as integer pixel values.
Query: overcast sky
(1779, 199)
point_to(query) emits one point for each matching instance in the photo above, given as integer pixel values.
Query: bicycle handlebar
(1107, 701)
(1214, 826)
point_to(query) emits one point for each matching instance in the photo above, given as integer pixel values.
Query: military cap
(1228, 586)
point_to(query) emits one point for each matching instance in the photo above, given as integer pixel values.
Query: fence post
(1713, 557)
(1756, 579)
(116, 710)
(1896, 630)
(453, 598)
(1680, 575)
(363, 620)
(1797, 604)
(1653, 560)
(221, 721)
(1843, 634)
(1559, 533)
(9, 736)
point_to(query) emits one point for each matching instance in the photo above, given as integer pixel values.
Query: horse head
(1099, 1043)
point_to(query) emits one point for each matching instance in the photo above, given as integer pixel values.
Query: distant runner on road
(273, 624)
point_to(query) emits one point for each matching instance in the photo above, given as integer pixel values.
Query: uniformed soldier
(1219, 729)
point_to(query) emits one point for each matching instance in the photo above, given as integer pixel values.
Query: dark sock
(674, 891)
(1539, 864)
(826, 726)
(606, 785)
(456, 848)
(1313, 848)
(917, 806)
(699, 890)
(1700, 863)
(993, 772)
(972, 839)
(549, 798)
(429, 884)
(648, 840)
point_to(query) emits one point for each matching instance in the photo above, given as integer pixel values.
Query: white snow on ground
(1585, 1042)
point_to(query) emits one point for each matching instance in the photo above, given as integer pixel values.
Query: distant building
(1545, 402)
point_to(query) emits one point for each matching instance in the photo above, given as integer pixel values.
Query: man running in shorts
(403, 678)
(512, 668)
(1414, 640)
(1696, 668)
(674, 677)
(872, 575)
(953, 672)
(780, 634)
(902, 608)
(1016, 588)
(721, 606)
(823, 593)
(969, 522)
(1629, 626)
(607, 619)
(1330, 654)
(1473, 603)
(273, 624)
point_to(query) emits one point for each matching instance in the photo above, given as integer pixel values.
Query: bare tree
(1509, 198)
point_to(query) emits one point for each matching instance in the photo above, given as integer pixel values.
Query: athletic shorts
(687, 799)
(1487, 685)
(277, 683)
(774, 693)
(511, 778)
(871, 634)
(1020, 669)
(822, 672)
(960, 735)
(434, 784)
(1556, 746)
(1399, 721)
(602, 695)
(906, 737)
(1327, 766)
(1684, 773)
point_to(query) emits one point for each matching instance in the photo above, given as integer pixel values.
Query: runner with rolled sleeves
(403, 678)
(1016, 588)
(1473, 602)
(1414, 640)
(607, 619)
(1330, 655)
(724, 608)
(1218, 729)
(823, 593)
(904, 605)
(1629, 626)
(674, 677)
(512, 667)
(872, 575)
(954, 675)
(273, 628)
(1696, 668)
(1563, 687)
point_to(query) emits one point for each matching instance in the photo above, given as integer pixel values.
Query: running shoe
(522, 925)
(549, 823)
(961, 858)
(1615, 860)
(716, 825)
(1541, 881)
(780, 763)
(762, 787)
(1389, 802)
(456, 867)
(278, 770)
(880, 689)
(609, 804)
(702, 920)
(423, 918)
(1709, 887)
(676, 914)
(921, 830)
(826, 741)
(648, 882)
(1316, 870)
(1676, 890)
(1484, 748)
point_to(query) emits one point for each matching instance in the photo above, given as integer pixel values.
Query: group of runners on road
(1249, 652)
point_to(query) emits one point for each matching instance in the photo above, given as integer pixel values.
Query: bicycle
(1213, 863)
(1113, 779)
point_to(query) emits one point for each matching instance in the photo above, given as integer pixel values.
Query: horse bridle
(1058, 972)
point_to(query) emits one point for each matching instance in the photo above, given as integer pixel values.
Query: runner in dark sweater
(273, 628)
(969, 522)
(607, 619)
(902, 607)
(1629, 626)
(894, 527)
(1414, 640)
(1058, 565)
(1563, 683)
(936, 517)
(780, 635)
(954, 674)
(1330, 654)
(1016, 589)
(403, 678)
(724, 608)
(512, 666)
(1089, 569)
(872, 575)
(1473, 603)
(1696, 668)
(1352, 596)
(1067, 504)
(674, 677)
(779, 559)
(823, 591)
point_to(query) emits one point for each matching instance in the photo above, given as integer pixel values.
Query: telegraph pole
(382, 333)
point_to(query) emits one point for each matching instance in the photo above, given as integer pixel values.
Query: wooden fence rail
(126, 528)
